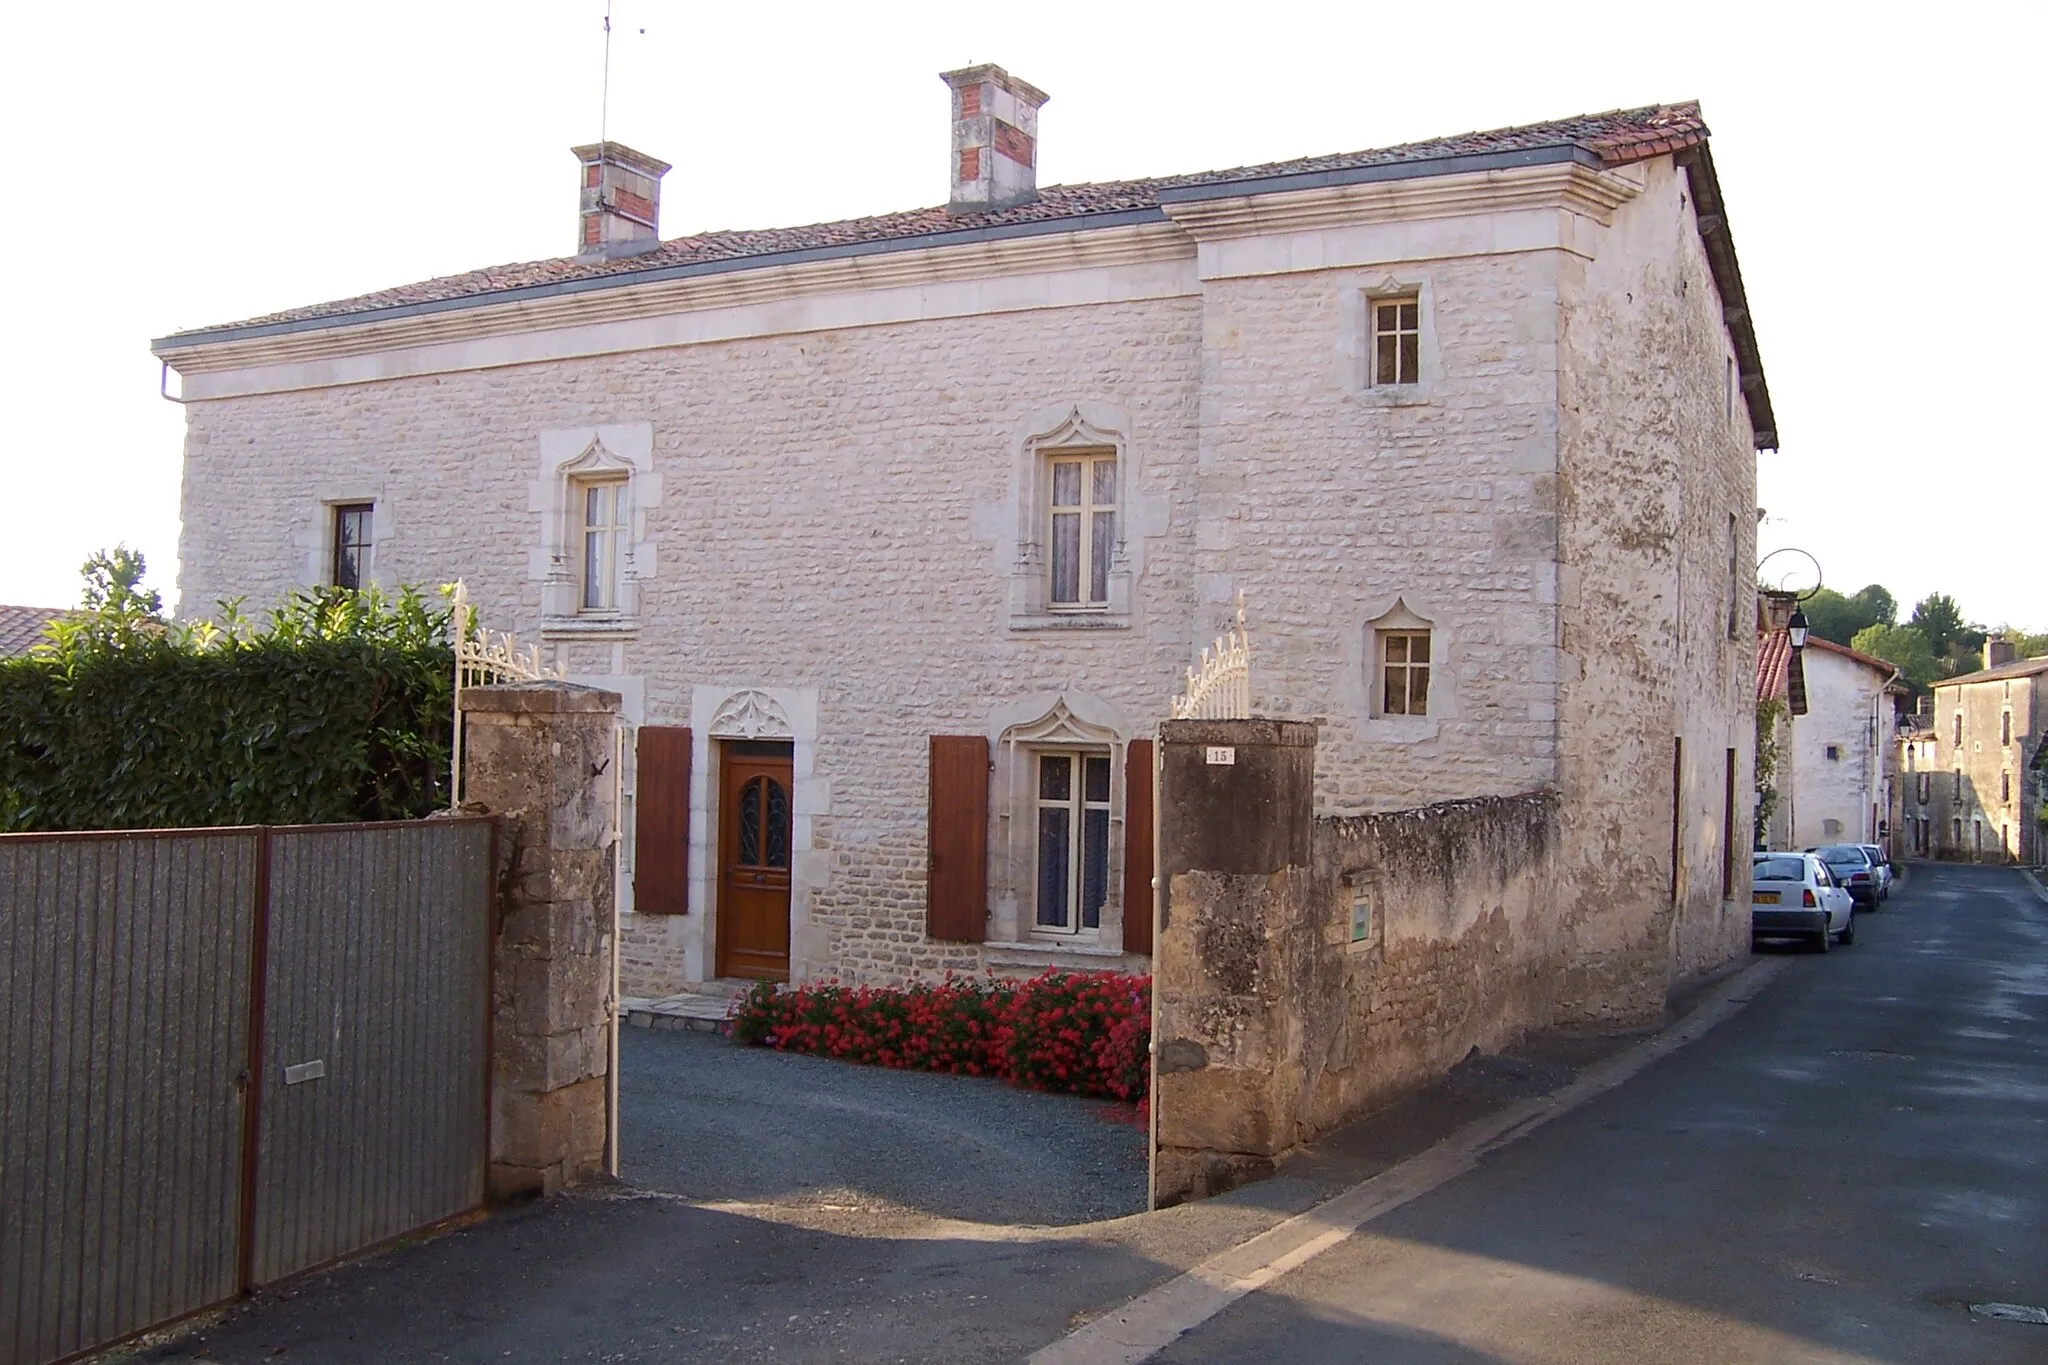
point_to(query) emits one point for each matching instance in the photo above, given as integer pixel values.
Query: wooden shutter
(957, 858)
(661, 821)
(1138, 858)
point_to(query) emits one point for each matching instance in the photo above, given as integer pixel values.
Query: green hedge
(337, 710)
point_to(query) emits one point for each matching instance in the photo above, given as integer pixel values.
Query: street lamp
(1796, 628)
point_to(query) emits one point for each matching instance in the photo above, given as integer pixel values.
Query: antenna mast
(604, 107)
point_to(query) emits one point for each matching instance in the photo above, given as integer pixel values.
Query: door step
(701, 1005)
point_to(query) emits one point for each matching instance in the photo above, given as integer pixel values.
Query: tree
(1939, 619)
(1834, 617)
(2026, 644)
(1904, 648)
(1883, 607)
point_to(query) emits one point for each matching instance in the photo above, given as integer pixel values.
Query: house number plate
(1222, 755)
(305, 1071)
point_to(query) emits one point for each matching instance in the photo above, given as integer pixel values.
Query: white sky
(178, 165)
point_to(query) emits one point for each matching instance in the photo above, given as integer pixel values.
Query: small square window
(1082, 534)
(1396, 341)
(1404, 672)
(1834, 753)
(601, 505)
(1073, 841)
(351, 568)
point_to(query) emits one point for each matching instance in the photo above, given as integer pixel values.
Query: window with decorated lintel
(1404, 672)
(1073, 841)
(1396, 341)
(1083, 507)
(351, 568)
(602, 503)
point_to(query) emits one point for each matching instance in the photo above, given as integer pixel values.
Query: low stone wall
(1438, 937)
(1310, 970)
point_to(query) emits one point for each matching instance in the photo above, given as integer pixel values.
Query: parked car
(1795, 895)
(1855, 869)
(1884, 870)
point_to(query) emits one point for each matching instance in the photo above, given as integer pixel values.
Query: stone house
(1913, 795)
(897, 534)
(1987, 795)
(1838, 757)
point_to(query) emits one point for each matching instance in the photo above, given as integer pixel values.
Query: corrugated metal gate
(229, 1055)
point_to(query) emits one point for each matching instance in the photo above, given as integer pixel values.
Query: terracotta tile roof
(2019, 668)
(1615, 138)
(21, 628)
(1773, 658)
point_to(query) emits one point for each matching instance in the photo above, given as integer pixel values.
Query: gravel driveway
(705, 1118)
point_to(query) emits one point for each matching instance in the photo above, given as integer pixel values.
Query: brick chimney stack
(995, 139)
(620, 211)
(1999, 651)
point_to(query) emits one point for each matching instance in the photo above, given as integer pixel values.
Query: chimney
(1999, 651)
(1777, 608)
(620, 212)
(995, 139)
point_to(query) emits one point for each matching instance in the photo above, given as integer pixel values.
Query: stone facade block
(529, 757)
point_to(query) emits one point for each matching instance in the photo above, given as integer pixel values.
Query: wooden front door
(754, 823)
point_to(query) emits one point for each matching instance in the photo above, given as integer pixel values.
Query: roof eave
(1711, 215)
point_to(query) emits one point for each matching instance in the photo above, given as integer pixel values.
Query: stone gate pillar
(538, 755)
(1236, 829)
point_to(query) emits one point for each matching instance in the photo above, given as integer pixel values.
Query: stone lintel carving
(751, 714)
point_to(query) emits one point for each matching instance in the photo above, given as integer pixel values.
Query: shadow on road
(1832, 1175)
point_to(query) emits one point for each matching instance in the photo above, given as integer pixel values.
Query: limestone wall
(1655, 473)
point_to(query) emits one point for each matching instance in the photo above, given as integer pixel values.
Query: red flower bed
(1077, 1033)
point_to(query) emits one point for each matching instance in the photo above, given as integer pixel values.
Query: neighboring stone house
(1987, 787)
(897, 534)
(21, 628)
(1919, 766)
(1837, 757)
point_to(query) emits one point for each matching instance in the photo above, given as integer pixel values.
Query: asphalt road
(715, 1122)
(1835, 1174)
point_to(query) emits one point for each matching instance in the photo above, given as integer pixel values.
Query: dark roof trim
(557, 288)
(1220, 189)
(1712, 217)
(1391, 170)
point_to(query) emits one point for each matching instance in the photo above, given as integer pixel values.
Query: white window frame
(1077, 806)
(1403, 377)
(601, 545)
(1409, 667)
(1086, 509)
